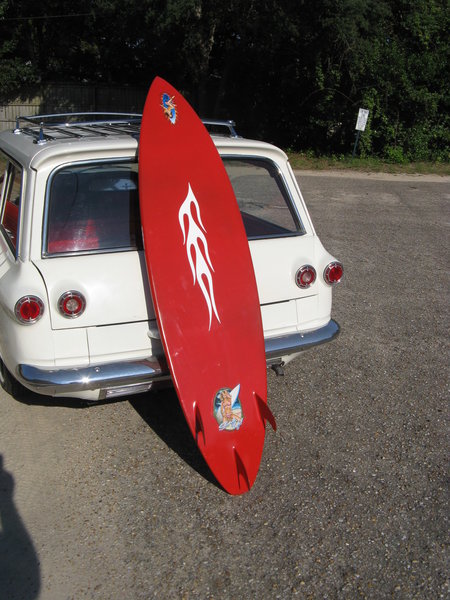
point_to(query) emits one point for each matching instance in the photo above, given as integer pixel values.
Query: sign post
(361, 123)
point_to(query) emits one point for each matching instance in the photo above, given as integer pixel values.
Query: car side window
(11, 197)
(266, 206)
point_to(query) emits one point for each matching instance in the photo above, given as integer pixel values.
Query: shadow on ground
(19, 564)
(32, 399)
(159, 409)
(162, 412)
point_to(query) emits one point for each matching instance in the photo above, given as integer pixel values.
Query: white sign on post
(361, 122)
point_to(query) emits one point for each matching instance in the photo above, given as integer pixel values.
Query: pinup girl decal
(227, 409)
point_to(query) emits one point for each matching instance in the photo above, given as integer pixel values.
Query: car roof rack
(49, 127)
(227, 124)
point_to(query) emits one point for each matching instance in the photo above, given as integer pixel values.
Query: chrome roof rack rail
(48, 127)
(227, 124)
(79, 119)
(38, 134)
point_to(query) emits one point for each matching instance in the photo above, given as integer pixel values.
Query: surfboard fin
(198, 424)
(265, 412)
(241, 470)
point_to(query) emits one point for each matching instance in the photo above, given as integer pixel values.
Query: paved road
(114, 502)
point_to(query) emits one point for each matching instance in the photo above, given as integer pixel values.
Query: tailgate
(114, 285)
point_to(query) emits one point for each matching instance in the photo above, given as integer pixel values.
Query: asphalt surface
(113, 501)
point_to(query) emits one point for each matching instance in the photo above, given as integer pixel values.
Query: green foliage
(291, 71)
(309, 161)
(395, 155)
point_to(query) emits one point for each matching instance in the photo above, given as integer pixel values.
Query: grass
(374, 165)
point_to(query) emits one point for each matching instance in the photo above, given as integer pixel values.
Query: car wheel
(9, 383)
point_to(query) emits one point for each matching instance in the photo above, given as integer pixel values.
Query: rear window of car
(95, 207)
(11, 181)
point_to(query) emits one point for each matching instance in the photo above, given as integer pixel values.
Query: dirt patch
(419, 177)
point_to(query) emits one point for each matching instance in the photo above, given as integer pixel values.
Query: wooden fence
(62, 98)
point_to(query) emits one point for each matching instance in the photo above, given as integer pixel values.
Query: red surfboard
(203, 288)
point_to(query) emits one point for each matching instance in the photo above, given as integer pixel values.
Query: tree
(291, 71)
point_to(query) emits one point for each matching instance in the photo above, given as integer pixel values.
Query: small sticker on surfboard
(169, 107)
(227, 409)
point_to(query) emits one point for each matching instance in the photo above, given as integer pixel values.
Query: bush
(394, 154)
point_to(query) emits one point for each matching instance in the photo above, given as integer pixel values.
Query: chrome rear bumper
(132, 376)
(292, 343)
(104, 377)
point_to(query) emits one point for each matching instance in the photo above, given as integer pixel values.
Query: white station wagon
(76, 313)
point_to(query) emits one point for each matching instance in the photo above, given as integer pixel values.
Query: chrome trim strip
(109, 375)
(297, 342)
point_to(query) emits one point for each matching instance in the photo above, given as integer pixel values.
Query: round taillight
(29, 309)
(71, 304)
(333, 273)
(305, 276)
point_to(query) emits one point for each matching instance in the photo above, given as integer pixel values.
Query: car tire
(9, 383)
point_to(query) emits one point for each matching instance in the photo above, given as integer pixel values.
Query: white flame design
(203, 266)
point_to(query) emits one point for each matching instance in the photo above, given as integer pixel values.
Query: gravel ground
(113, 501)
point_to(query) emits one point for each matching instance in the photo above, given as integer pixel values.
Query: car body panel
(113, 284)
